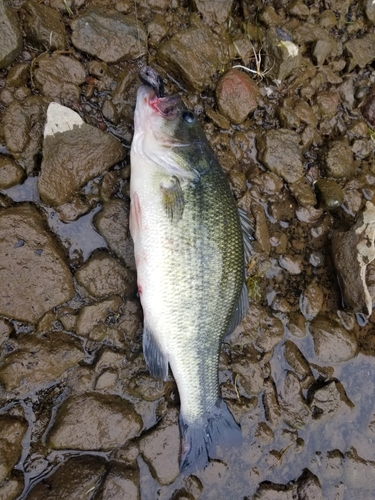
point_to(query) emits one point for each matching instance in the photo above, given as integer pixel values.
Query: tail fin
(200, 439)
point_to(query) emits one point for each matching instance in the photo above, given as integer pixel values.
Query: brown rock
(94, 422)
(33, 274)
(236, 95)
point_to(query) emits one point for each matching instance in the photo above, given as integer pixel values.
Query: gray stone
(339, 160)
(33, 272)
(109, 35)
(361, 51)
(216, 11)
(10, 35)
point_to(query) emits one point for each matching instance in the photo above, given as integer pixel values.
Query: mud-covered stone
(329, 194)
(192, 56)
(39, 361)
(327, 103)
(291, 263)
(361, 50)
(283, 57)
(308, 486)
(325, 400)
(23, 130)
(10, 35)
(303, 193)
(332, 343)
(74, 478)
(280, 152)
(311, 301)
(236, 95)
(339, 160)
(109, 35)
(94, 422)
(294, 409)
(271, 405)
(72, 155)
(160, 449)
(113, 224)
(10, 173)
(216, 11)
(34, 274)
(120, 483)
(358, 471)
(296, 359)
(352, 251)
(43, 26)
(59, 77)
(95, 321)
(12, 431)
(103, 275)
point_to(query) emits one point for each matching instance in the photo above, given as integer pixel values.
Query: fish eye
(188, 116)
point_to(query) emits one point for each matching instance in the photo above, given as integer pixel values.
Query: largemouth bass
(189, 254)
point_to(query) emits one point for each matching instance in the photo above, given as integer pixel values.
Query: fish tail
(200, 439)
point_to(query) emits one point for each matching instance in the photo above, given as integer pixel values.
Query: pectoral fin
(156, 361)
(173, 198)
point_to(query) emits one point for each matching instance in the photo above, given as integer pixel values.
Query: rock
(294, 409)
(280, 152)
(361, 51)
(157, 30)
(270, 402)
(272, 491)
(352, 251)
(94, 320)
(283, 57)
(109, 35)
(327, 103)
(370, 10)
(120, 483)
(303, 193)
(291, 263)
(113, 224)
(296, 360)
(23, 130)
(43, 26)
(326, 400)
(323, 49)
(332, 343)
(160, 449)
(236, 96)
(329, 194)
(264, 433)
(297, 325)
(339, 160)
(298, 8)
(249, 376)
(12, 431)
(94, 422)
(216, 11)
(358, 471)
(18, 75)
(308, 486)
(261, 229)
(309, 214)
(38, 362)
(368, 108)
(311, 301)
(10, 173)
(30, 260)
(10, 35)
(6, 329)
(74, 478)
(269, 333)
(192, 56)
(73, 153)
(59, 77)
(103, 275)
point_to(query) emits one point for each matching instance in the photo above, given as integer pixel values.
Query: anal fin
(156, 361)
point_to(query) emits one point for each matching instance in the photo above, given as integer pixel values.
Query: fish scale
(189, 254)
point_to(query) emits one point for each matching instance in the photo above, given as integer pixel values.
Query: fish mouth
(167, 107)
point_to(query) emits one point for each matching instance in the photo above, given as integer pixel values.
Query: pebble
(339, 160)
(10, 35)
(280, 152)
(291, 264)
(39, 21)
(236, 95)
(329, 194)
(311, 301)
(332, 343)
(10, 173)
(12, 431)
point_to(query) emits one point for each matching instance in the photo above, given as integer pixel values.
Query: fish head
(167, 132)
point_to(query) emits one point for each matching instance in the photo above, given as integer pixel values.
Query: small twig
(258, 62)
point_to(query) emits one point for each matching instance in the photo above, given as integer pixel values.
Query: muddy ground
(293, 127)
